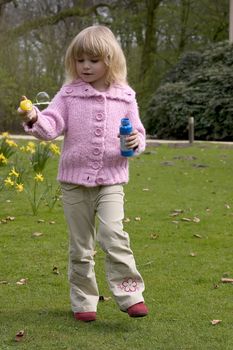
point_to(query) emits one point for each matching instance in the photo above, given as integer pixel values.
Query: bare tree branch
(51, 20)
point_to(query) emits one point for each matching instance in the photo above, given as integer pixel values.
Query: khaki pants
(81, 206)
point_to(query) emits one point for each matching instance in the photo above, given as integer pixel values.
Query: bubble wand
(42, 99)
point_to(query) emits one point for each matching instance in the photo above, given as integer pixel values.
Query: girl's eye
(80, 60)
(94, 60)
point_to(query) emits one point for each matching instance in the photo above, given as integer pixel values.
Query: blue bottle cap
(125, 121)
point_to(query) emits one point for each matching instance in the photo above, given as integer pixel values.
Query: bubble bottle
(125, 130)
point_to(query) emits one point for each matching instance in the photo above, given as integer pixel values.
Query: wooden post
(231, 22)
(191, 129)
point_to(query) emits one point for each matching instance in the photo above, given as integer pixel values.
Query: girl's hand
(132, 141)
(28, 115)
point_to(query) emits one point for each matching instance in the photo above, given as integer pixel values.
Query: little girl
(87, 111)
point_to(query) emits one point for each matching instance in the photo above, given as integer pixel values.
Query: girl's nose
(86, 65)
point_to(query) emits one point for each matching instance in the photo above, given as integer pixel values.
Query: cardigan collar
(114, 92)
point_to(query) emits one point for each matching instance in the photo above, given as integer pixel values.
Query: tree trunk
(185, 10)
(149, 47)
(231, 22)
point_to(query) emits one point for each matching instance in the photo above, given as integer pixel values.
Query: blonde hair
(97, 41)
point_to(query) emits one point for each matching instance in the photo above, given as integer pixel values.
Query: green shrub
(200, 85)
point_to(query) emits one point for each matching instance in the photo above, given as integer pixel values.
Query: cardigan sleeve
(51, 122)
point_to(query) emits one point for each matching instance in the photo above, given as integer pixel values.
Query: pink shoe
(85, 316)
(137, 310)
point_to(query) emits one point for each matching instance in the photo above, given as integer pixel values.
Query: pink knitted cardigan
(89, 121)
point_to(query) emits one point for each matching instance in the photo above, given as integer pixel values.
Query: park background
(178, 52)
(178, 207)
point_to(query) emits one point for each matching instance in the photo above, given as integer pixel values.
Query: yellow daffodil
(5, 134)
(54, 149)
(3, 159)
(19, 187)
(43, 143)
(8, 182)
(11, 143)
(13, 172)
(30, 149)
(23, 148)
(31, 144)
(39, 177)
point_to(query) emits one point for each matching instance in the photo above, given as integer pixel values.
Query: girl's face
(92, 70)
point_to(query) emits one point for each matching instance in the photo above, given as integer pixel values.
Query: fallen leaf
(186, 219)
(176, 212)
(193, 254)
(37, 234)
(55, 270)
(10, 218)
(4, 221)
(103, 298)
(154, 236)
(214, 322)
(137, 218)
(227, 206)
(22, 281)
(145, 189)
(215, 286)
(197, 236)
(175, 222)
(20, 335)
(179, 210)
(52, 222)
(3, 282)
(127, 220)
(196, 219)
(40, 221)
(227, 280)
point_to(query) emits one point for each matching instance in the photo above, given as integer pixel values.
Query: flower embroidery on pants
(129, 285)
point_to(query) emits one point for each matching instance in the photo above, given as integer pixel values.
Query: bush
(200, 85)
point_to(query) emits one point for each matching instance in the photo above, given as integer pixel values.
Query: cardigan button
(96, 151)
(99, 180)
(95, 165)
(99, 116)
(100, 99)
(98, 132)
(69, 91)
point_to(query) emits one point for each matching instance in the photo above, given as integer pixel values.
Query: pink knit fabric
(90, 122)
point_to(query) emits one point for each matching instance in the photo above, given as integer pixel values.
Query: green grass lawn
(182, 261)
